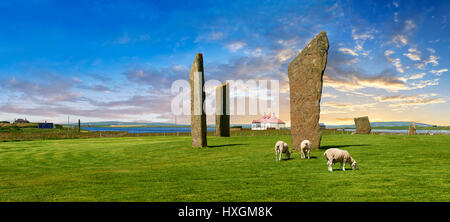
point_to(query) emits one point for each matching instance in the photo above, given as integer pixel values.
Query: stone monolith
(222, 111)
(198, 115)
(305, 89)
(412, 129)
(362, 125)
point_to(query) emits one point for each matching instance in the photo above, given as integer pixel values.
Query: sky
(116, 60)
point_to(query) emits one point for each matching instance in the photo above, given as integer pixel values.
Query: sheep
(280, 148)
(335, 155)
(305, 149)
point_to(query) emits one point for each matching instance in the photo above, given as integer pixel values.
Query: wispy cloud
(413, 54)
(348, 51)
(350, 107)
(400, 40)
(418, 76)
(235, 46)
(396, 62)
(439, 72)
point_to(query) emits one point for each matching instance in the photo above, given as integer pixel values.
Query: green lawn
(390, 168)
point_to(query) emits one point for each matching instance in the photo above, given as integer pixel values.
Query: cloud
(344, 119)
(419, 102)
(333, 7)
(403, 102)
(348, 51)
(395, 4)
(439, 72)
(395, 17)
(157, 78)
(211, 36)
(396, 62)
(349, 107)
(409, 24)
(328, 95)
(125, 38)
(51, 89)
(433, 60)
(98, 88)
(396, 98)
(285, 54)
(424, 83)
(417, 76)
(360, 38)
(235, 46)
(400, 40)
(413, 54)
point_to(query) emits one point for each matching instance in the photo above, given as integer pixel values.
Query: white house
(268, 121)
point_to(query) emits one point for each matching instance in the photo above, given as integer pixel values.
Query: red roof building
(268, 121)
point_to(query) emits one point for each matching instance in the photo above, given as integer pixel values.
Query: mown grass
(390, 168)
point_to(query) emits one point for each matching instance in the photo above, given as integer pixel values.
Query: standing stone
(198, 115)
(362, 125)
(412, 129)
(222, 111)
(305, 89)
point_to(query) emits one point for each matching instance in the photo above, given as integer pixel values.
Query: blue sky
(116, 60)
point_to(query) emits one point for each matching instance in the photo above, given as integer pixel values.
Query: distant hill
(381, 124)
(144, 124)
(158, 124)
(118, 123)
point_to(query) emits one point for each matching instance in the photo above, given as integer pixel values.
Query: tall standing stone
(305, 89)
(362, 125)
(412, 129)
(222, 111)
(198, 115)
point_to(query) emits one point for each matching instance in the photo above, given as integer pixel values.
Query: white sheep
(305, 149)
(280, 148)
(335, 155)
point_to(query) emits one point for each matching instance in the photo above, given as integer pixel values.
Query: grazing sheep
(335, 155)
(280, 148)
(305, 149)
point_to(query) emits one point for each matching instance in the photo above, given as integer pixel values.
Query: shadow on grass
(283, 159)
(340, 146)
(350, 169)
(311, 157)
(225, 145)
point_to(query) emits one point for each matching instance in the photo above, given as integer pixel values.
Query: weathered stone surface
(198, 115)
(222, 111)
(412, 129)
(362, 125)
(305, 89)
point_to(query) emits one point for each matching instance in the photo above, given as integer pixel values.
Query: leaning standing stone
(305, 89)
(362, 125)
(198, 115)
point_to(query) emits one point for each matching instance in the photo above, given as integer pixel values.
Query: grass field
(390, 168)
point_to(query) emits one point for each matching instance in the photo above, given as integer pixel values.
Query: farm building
(46, 126)
(21, 121)
(268, 121)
